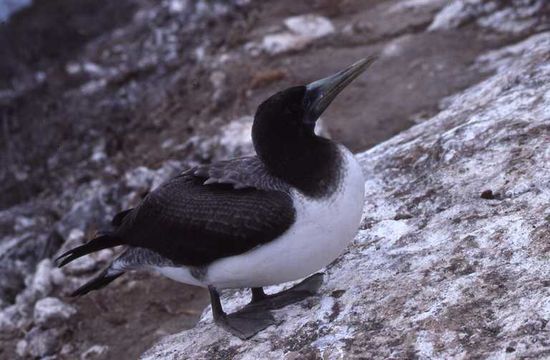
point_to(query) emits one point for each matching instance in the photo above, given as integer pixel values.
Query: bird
(278, 216)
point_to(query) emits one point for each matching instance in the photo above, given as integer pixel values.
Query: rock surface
(515, 16)
(301, 31)
(51, 312)
(452, 259)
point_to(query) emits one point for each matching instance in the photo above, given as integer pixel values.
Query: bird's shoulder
(240, 173)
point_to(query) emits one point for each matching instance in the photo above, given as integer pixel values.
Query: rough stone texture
(515, 16)
(90, 208)
(300, 32)
(231, 140)
(20, 253)
(452, 259)
(39, 343)
(51, 312)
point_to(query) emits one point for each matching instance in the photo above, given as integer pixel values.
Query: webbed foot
(298, 292)
(246, 324)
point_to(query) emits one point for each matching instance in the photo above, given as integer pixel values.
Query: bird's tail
(103, 241)
(103, 279)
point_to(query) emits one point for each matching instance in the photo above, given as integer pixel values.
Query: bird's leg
(217, 310)
(306, 288)
(243, 324)
(258, 294)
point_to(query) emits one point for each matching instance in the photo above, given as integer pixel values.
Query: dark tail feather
(101, 242)
(102, 280)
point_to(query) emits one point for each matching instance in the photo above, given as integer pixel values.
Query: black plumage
(103, 279)
(194, 224)
(100, 242)
(191, 223)
(117, 219)
(289, 147)
(242, 173)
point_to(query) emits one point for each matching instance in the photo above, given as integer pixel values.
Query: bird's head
(291, 114)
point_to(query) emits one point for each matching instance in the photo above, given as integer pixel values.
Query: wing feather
(241, 173)
(211, 212)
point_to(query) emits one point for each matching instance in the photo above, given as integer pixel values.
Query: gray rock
(11, 283)
(231, 140)
(90, 208)
(98, 154)
(8, 321)
(81, 266)
(94, 352)
(52, 312)
(234, 139)
(57, 277)
(414, 5)
(75, 238)
(18, 316)
(300, 32)
(18, 258)
(518, 17)
(21, 348)
(38, 286)
(452, 258)
(218, 79)
(139, 178)
(41, 282)
(23, 223)
(40, 343)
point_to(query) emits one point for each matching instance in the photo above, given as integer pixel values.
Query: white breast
(322, 231)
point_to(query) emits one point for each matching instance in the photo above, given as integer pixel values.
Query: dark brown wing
(194, 224)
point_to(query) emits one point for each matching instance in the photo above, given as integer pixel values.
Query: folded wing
(211, 212)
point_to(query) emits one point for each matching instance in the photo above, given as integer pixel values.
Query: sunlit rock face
(452, 258)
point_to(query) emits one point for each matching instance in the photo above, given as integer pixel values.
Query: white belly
(322, 231)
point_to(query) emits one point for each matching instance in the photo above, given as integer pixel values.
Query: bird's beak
(320, 93)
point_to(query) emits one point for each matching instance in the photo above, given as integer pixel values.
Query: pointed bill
(320, 93)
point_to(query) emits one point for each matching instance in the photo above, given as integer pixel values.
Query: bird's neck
(311, 164)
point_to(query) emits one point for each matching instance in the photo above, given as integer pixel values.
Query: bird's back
(193, 223)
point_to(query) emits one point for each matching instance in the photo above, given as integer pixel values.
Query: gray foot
(298, 292)
(246, 323)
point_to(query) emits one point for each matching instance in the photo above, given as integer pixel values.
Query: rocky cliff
(453, 256)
